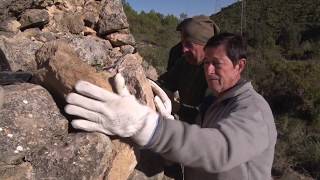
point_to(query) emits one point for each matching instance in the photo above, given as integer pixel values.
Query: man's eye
(217, 65)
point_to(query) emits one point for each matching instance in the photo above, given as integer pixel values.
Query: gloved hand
(113, 114)
(162, 101)
(1, 97)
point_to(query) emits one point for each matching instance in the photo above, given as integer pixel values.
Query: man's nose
(185, 49)
(210, 68)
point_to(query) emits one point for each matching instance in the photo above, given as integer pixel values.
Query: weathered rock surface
(151, 72)
(62, 42)
(18, 52)
(136, 80)
(1, 97)
(10, 25)
(21, 171)
(93, 50)
(35, 143)
(112, 17)
(91, 13)
(127, 49)
(29, 120)
(60, 68)
(34, 18)
(10, 8)
(64, 21)
(77, 156)
(120, 39)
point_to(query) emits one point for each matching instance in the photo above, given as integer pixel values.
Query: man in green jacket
(185, 74)
(234, 139)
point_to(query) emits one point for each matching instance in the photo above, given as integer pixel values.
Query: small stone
(16, 151)
(74, 163)
(19, 148)
(40, 129)
(30, 115)
(10, 135)
(25, 101)
(1, 129)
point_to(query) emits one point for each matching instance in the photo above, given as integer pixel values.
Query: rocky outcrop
(60, 68)
(35, 142)
(19, 52)
(60, 42)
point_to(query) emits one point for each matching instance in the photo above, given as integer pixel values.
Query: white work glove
(113, 114)
(161, 101)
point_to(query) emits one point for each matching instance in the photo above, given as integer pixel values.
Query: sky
(176, 7)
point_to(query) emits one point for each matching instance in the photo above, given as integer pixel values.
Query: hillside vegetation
(155, 35)
(284, 65)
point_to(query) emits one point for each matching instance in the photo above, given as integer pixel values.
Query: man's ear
(241, 64)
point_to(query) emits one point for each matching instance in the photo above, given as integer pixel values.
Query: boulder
(30, 119)
(10, 25)
(21, 171)
(12, 8)
(34, 18)
(91, 13)
(77, 156)
(64, 21)
(120, 39)
(35, 143)
(62, 42)
(1, 97)
(151, 72)
(112, 17)
(92, 50)
(60, 68)
(136, 79)
(18, 52)
(127, 49)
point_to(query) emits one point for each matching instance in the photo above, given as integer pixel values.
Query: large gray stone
(136, 79)
(30, 119)
(34, 18)
(21, 171)
(12, 8)
(121, 39)
(77, 156)
(112, 17)
(10, 25)
(18, 52)
(35, 143)
(64, 21)
(93, 50)
(60, 69)
(91, 13)
(1, 97)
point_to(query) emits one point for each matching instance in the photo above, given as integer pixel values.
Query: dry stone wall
(60, 42)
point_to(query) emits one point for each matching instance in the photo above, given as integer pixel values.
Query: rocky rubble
(60, 42)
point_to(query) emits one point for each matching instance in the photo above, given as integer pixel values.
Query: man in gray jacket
(233, 140)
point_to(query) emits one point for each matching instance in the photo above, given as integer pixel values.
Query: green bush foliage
(155, 34)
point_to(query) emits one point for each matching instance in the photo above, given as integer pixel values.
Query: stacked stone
(60, 42)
